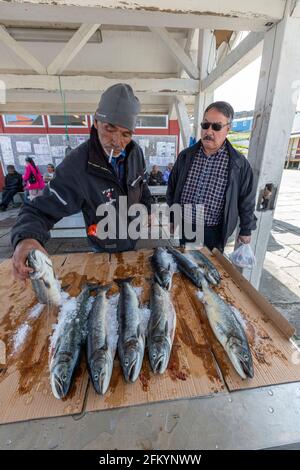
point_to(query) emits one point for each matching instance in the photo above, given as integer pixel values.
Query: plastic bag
(243, 256)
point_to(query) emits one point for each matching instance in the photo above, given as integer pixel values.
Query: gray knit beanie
(118, 106)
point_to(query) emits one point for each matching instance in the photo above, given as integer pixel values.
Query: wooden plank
(192, 369)
(271, 350)
(177, 51)
(25, 391)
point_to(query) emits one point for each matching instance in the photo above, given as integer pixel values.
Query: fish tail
(120, 282)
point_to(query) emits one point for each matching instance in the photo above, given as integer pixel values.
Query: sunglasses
(216, 126)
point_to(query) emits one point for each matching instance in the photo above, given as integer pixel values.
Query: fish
(131, 343)
(45, 285)
(161, 328)
(162, 263)
(187, 266)
(65, 353)
(101, 348)
(228, 330)
(211, 272)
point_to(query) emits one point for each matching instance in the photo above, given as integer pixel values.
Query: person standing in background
(13, 185)
(50, 173)
(156, 177)
(167, 172)
(33, 179)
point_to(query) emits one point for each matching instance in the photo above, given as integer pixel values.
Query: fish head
(159, 354)
(100, 371)
(61, 376)
(38, 261)
(132, 360)
(240, 355)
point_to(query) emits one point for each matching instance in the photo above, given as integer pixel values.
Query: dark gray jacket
(240, 194)
(82, 182)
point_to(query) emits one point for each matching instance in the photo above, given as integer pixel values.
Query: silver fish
(229, 331)
(162, 263)
(66, 352)
(211, 272)
(44, 282)
(101, 349)
(131, 343)
(161, 329)
(187, 266)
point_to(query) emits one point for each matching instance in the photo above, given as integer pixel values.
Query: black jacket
(240, 194)
(13, 182)
(156, 179)
(82, 182)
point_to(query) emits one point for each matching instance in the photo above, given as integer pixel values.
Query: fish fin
(92, 286)
(139, 331)
(105, 347)
(122, 281)
(66, 287)
(166, 328)
(47, 284)
(106, 287)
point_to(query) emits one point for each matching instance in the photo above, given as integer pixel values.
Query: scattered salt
(20, 336)
(36, 311)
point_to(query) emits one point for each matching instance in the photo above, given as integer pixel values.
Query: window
(23, 120)
(152, 121)
(72, 120)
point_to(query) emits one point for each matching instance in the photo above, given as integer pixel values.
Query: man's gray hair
(223, 107)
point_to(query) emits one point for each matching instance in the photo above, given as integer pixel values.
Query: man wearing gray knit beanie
(97, 174)
(115, 118)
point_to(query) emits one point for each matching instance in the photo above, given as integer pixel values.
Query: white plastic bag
(243, 256)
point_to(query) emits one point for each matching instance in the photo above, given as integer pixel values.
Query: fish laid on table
(65, 353)
(187, 266)
(161, 328)
(44, 282)
(163, 265)
(228, 330)
(211, 272)
(131, 343)
(101, 346)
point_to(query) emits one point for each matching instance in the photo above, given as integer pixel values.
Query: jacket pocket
(135, 190)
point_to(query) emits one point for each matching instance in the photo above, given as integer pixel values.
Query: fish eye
(126, 362)
(246, 357)
(96, 377)
(64, 377)
(154, 355)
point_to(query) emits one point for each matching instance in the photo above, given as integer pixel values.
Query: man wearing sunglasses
(212, 173)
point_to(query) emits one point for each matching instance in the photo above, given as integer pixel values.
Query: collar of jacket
(236, 159)
(98, 161)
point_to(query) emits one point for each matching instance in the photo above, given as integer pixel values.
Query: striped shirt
(206, 185)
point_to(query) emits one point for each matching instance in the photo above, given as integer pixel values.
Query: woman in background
(33, 179)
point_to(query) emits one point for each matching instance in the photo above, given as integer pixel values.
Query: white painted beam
(152, 86)
(245, 53)
(207, 14)
(296, 9)
(18, 49)
(183, 119)
(180, 55)
(45, 107)
(206, 49)
(275, 106)
(71, 49)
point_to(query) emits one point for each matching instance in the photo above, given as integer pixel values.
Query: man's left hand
(244, 239)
